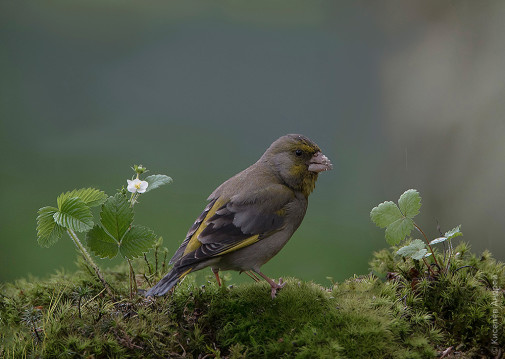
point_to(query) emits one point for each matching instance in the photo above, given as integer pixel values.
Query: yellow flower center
(137, 185)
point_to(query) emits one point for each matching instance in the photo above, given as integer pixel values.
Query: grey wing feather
(178, 254)
(233, 223)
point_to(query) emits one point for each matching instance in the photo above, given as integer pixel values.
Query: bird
(251, 216)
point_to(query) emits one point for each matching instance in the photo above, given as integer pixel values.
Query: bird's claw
(276, 287)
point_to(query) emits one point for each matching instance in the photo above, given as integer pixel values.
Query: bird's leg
(216, 273)
(251, 275)
(275, 286)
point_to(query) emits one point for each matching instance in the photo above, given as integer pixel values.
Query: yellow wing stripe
(185, 273)
(194, 243)
(246, 242)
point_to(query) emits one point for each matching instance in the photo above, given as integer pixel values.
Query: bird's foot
(276, 287)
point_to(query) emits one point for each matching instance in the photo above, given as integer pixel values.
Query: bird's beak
(319, 163)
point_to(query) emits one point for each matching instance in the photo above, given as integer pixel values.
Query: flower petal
(131, 186)
(143, 187)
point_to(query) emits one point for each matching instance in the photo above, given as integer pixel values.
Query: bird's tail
(169, 281)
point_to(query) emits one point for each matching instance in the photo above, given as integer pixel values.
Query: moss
(69, 315)
(465, 303)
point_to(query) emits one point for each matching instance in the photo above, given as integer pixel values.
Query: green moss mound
(403, 316)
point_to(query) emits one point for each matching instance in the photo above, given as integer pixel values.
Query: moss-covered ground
(396, 312)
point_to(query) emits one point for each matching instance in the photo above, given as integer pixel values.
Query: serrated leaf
(438, 240)
(410, 203)
(455, 232)
(398, 230)
(100, 243)
(138, 240)
(156, 181)
(116, 216)
(74, 214)
(415, 246)
(90, 196)
(48, 231)
(385, 214)
(415, 250)
(419, 254)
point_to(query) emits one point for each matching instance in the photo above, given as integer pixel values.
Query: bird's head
(297, 161)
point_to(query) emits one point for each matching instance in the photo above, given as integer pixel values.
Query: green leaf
(156, 181)
(74, 214)
(116, 216)
(48, 231)
(410, 203)
(455, 232)
(420, 254)
(438, 240)
(138, 240)
(100, 243)
(385, 214)
(90, 196)
(398, 230)
(416, 250)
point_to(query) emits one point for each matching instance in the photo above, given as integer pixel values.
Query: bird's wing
(230, 224)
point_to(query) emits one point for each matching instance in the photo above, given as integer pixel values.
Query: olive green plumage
(251, 216)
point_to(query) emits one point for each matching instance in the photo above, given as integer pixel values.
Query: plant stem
(450, 255)
(133, 282)
(148, 265)
(88, 258)
(79, 306)
(164, 264)
(36, 332)
(156, 260)
(428, 243)
(429, 267)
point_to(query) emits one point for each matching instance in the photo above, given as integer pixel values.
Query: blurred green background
(398, 94)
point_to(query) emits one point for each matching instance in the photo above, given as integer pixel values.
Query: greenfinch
(251, 216)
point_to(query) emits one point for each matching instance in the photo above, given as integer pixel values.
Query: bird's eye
(298, 152)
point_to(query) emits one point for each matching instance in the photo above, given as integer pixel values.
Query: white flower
(137, 186)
